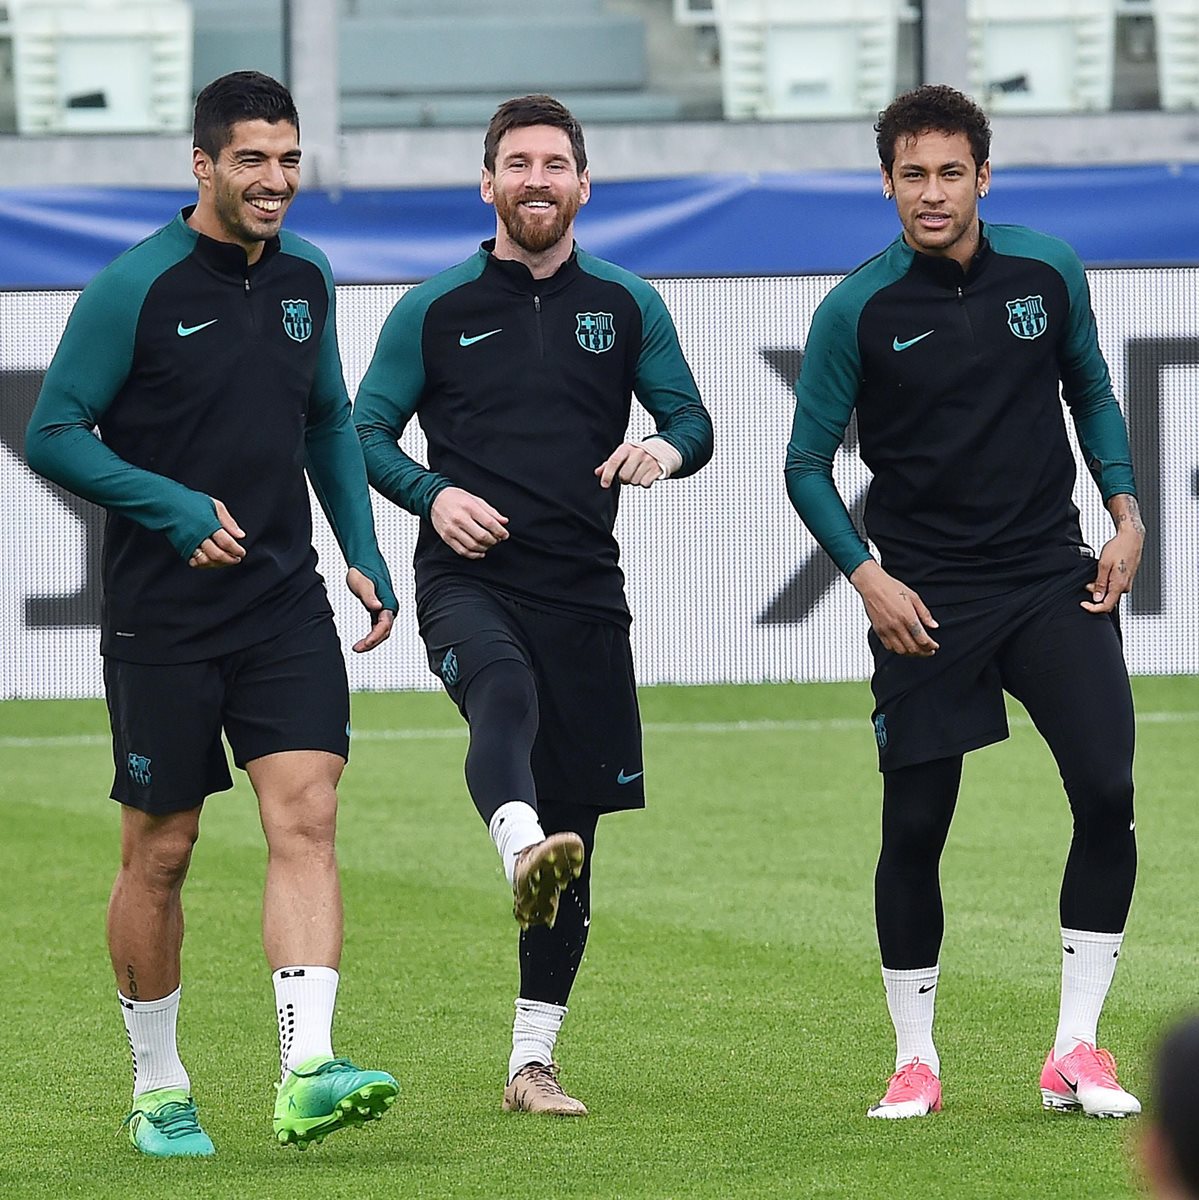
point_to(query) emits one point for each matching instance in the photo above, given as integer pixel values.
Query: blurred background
(733, 163)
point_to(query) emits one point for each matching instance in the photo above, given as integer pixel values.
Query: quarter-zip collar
(226, 259)
(516, 277)
(947, 272)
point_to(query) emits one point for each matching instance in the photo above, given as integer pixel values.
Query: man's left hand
(630, 463)
(1118, 563)
(381, 618)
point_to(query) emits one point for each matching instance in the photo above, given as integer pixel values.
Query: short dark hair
(932, 107)
(1176, 1099)
(239, 96)
(538, 109)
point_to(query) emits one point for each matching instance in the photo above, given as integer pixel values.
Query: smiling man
(206, 359)
(521, 363)
(953, 347)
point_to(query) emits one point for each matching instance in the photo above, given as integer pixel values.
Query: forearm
(1126, 514)
(396, 475)
(819, 505)
(1104, 442)
(338, 477)
(77, 460)
(685, 428)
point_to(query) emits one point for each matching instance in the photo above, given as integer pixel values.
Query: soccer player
(521, 362)
(952, 347)
(206, 359)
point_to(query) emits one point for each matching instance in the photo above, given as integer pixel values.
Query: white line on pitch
(800, 725)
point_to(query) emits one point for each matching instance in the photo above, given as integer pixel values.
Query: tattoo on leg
(132, 982)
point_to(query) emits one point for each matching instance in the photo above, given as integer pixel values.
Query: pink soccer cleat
(1086, 1078)
(913, 1091)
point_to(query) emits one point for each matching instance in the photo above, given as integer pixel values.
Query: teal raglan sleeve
(666, 388)
(826, 392)
(387, 400)
(336, 468)
(1087, 389)
(89, 368)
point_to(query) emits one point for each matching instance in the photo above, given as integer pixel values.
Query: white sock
(1088, 965)
(514, 827)
(304, 999)
(910, 1000)
(150, 1025)
(534, 1032)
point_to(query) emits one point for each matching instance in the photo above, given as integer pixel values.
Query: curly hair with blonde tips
(933, 107)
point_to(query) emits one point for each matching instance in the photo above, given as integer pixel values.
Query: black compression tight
(501, 710)
(918, 804)
(1068, 672)
(550, 958)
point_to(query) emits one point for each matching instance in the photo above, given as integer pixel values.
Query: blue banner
(711, 225)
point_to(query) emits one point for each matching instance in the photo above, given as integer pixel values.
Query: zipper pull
(536, 303)
(248, 285)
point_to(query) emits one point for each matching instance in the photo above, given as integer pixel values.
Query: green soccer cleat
(163, 1124)
(323, 1095)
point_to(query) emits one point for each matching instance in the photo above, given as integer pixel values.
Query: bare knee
(297, 801)
(301, 822)
(156, 851)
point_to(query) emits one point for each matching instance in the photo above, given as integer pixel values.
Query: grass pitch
(728, 1029)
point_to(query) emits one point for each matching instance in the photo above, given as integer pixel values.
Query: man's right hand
(467, 524)
(220, 549)
(898, 616)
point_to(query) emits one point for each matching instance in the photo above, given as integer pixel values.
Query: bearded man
(521, 363)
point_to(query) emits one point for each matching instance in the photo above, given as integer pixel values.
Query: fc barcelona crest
(595, 331)
(1026, 318)
(297, 320)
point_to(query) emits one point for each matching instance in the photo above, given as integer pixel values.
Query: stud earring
(982, 193)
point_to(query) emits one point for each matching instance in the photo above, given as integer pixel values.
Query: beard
(532, 232)
(244, 227)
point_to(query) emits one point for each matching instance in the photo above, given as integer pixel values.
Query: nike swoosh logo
(188, 330)
(896, 344)
(1072, 1086)
(463, 340)
(623, 778)
(928, 987)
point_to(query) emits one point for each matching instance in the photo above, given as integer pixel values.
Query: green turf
(728, 1029)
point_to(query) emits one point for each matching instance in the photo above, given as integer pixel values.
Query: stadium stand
(91, 66)
(450, 62)
(801, 58)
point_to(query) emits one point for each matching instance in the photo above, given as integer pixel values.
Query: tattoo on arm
(1131, 516)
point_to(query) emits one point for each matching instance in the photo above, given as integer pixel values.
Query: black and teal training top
(523, 387)
(956, 378)
(206, 377)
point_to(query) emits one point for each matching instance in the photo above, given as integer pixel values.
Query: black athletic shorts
(953, 702)
(588, 744)
(288, 693)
